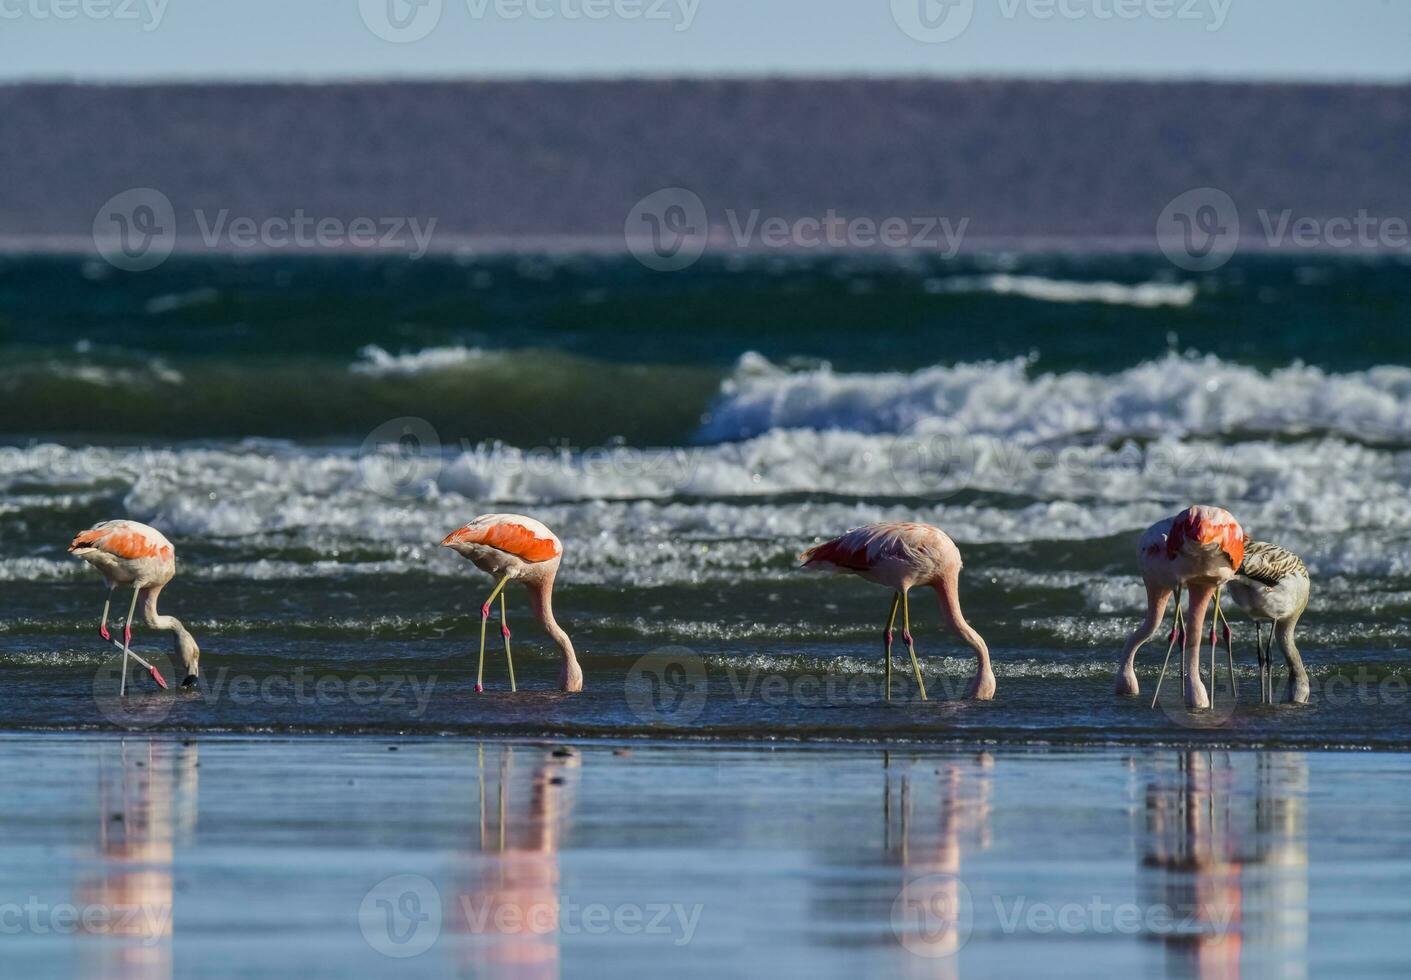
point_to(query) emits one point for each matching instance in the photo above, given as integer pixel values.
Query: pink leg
(103, 624)
(1156, 598)
(1200, 595)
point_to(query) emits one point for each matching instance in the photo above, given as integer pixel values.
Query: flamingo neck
(185, 643)
(541, 597)
(948, 593)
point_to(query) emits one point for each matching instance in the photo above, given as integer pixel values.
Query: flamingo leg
(1213, 620)
(103, 623)
(485, 618)
(505, 632)
(127, 642)
(1263, 663)
(1230, 656)
(887, 640)
(1175, 628)
(910, 646)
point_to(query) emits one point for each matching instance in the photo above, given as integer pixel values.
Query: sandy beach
(209, 856)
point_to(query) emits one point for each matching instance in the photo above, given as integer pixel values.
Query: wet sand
(153, 856)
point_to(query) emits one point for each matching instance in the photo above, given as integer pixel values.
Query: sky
(135, 40)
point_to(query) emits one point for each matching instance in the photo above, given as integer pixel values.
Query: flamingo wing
(1270, 564)
(121, 539)
(862, 548)
(522, 537)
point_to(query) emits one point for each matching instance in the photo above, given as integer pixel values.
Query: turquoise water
(307, 430)
(212, 857)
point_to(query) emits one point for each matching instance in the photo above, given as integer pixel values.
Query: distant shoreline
(560, 165)
(78, 246)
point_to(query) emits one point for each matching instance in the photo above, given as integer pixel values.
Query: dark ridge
(524, 159)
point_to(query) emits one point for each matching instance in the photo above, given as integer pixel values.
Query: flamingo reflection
(932, 909)
(1231, 872)
(507, 900)
(147, 792)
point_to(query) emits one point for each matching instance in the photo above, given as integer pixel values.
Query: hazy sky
(139, 39)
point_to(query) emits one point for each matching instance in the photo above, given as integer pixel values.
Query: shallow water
(306, 431)
(149, 857)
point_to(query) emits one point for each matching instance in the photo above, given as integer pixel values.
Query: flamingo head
(571, 676)
(190, 655)
(1206, 529)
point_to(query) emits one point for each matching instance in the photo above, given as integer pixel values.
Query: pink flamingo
(511, 546)
(129, 553)
(1198, 549)
(900, 556)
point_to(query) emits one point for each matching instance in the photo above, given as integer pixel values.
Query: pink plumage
(901, 556)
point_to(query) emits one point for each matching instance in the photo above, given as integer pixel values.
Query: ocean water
(307, 430)
(150, 856)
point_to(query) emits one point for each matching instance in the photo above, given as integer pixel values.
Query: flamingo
(899, 556)
(129, 553)
(512, 546)
(1199, 550)
(1272, 586)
